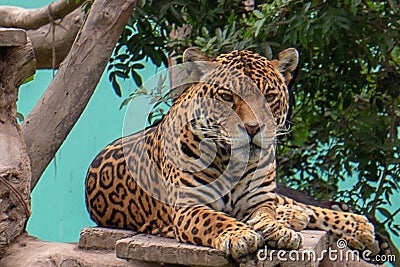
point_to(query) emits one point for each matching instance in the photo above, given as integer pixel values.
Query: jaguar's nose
(252, 128)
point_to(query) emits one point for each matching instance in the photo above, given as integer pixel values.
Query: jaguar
(205, 174)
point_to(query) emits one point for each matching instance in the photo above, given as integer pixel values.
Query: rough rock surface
(96, 249)
(32, 252)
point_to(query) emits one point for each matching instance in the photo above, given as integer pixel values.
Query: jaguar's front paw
(358, 235)
(238, 243)
(275, 234)
(292, 216)
(355, 229)
(285, 238)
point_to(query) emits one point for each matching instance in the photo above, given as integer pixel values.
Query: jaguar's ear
(198, 59)
(193, 54)
(286, 63)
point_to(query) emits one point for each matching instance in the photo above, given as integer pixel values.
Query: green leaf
(126, 102)
(154, 55)
(20, 117)
(30, 78)
(259, 24)
(347, 100)
(116, 86)
(306, 7)
(137, 78)
(121, 66)
(121, 74)
(150, 118)
(258, 14)
(138, 66)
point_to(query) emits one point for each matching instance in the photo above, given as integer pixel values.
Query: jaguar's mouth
(246, 146)
(254, 146)
(255, 151)
(249, 151)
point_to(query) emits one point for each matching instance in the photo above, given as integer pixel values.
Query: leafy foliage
(345, 124)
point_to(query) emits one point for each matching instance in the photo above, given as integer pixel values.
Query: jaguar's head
(237, 101)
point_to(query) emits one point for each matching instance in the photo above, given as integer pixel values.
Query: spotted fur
(205, 173)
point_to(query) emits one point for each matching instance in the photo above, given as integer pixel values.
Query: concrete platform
(165, 251)
(168, 251)
(102, 238)
(102, 247)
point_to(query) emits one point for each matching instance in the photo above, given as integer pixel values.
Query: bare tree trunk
(17, 62)
(53, 117)
(52, 29)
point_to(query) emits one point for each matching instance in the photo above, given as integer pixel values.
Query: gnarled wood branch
(23, 18)
(44, 40)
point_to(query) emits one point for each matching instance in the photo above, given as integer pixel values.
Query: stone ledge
(149, 248)
(148, 251)
(153, 251)
(146, 248)
(102, 238)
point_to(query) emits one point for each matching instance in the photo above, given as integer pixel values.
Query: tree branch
(53, 117)
(65, 32)
(18, 17)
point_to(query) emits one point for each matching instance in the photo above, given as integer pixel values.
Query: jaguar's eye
(270, 97)
(226, 97)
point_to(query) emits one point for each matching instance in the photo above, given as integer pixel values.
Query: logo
(340, 254)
